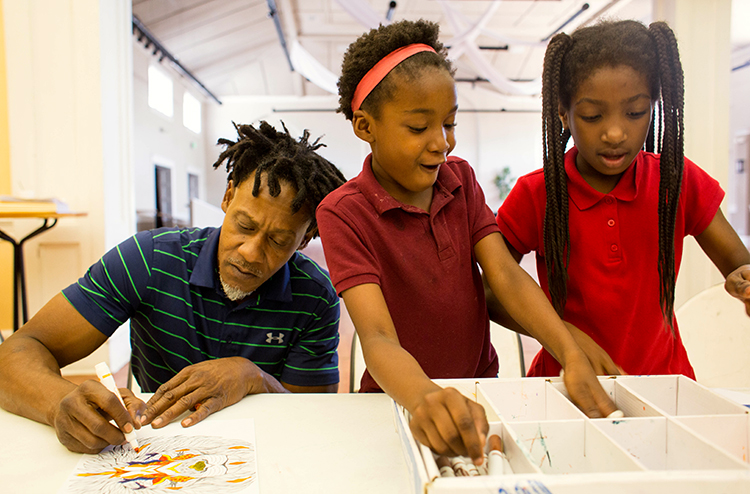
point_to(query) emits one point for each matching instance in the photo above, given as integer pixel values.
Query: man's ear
(228, 195)
(563, 116)
(362, 123)
(309, 235)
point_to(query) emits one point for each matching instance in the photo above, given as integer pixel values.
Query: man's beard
(233, 293)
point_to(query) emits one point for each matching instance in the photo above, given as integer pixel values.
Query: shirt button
(608, 200)
(614, 247)
(611, 222)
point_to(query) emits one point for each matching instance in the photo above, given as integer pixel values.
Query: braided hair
(281, 158)
(371, 47)
(570, 60)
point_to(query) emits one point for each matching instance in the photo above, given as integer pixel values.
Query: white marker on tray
(497, 462)
(105, 377)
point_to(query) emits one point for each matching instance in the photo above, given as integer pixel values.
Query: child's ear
(362, 125)
(563, 116)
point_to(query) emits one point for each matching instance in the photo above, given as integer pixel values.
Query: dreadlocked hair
(281, 158)
(570, 60)
(373, 46)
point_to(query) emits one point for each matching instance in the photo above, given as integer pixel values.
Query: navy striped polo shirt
(165, 281)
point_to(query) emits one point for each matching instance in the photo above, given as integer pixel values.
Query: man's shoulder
(174, 239)
(310, 277)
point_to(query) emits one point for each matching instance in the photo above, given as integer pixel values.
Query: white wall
(61, 131)
(489, 141)
(164, 140)
(738, 193)
(702, 29)
(69, 128)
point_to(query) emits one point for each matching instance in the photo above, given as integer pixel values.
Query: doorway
(163, 196)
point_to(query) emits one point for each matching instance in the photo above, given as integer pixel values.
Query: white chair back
(716, 332)
(509, 350)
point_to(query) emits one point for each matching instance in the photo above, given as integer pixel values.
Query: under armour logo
(279, 339)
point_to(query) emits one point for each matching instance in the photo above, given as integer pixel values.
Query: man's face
(258, 236)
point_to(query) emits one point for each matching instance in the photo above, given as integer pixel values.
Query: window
(191, 113)
(160, 91)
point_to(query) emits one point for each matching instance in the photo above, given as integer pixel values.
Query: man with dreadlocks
(216, 313)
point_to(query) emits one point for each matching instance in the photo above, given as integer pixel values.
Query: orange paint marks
(237, 481)
(238, 447)
(237, 463)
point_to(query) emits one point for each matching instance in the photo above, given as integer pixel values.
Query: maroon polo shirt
(613, 286)
(423, 262)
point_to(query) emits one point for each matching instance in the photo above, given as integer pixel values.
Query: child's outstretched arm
(526, 303)
(725, 249)
(599, 359)
(442, 418)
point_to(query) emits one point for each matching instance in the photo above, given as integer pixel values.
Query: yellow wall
(6, 252)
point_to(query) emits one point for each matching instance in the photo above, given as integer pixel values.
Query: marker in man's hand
(105, 377)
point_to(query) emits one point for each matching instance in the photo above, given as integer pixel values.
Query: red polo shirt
(613, 285)
(423, 262)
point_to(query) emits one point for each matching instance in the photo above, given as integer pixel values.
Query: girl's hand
(585, 390)
(450, 424)
(600, 360)
(738, 285)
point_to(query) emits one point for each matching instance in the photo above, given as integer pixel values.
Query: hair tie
(381, 69)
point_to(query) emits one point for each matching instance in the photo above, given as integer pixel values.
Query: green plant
(504, 182)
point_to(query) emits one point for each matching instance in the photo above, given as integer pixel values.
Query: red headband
(381, 69)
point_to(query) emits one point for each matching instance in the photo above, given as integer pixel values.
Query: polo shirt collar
(447, 182)
(584, 196)
(205, 274)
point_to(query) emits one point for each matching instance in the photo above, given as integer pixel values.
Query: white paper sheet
(214, 456)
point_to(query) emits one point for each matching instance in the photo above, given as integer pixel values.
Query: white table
(311, 443)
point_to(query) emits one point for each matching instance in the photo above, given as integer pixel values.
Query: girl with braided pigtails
(606, 218)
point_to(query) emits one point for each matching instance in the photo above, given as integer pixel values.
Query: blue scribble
(527, 487)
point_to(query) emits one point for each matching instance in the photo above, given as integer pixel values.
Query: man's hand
(738, 285)
(207, 387)
(585, 390)
(600, 360)
(81, 420)
(450, 424)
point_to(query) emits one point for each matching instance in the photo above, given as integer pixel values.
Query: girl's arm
(600, 360)
(725, 249)
(442, 419)
(526, 303)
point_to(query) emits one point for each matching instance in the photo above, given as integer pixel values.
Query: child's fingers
(586, 392)
(471, 421)
(611, 369)
(483, 427)
(428, 434)
(604, 404)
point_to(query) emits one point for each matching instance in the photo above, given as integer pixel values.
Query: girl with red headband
(402, 241)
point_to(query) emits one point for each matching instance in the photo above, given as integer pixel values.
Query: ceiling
(233, 47)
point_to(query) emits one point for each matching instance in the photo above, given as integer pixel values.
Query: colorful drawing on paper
(185, 464)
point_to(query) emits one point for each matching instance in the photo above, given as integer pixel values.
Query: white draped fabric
(312, 70)
(363, 12)
(462, 44)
